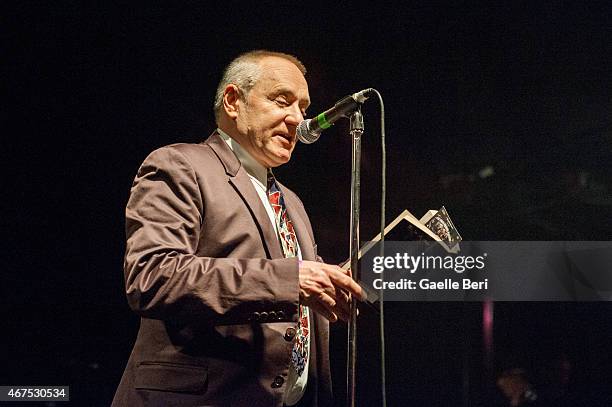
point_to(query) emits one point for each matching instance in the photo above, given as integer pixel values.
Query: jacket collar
(242, 183)
(230, 162)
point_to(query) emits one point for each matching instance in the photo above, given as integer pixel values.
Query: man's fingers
(328, 289)
(326, 305)
(327, 314)
(344, 281)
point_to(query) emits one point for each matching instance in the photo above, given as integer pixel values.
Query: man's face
(274, 107)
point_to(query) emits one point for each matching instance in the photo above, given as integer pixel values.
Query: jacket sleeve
(164, 277)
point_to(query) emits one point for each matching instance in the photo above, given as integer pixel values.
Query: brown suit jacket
(218, 301)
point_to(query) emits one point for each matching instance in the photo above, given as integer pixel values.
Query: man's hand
(327, 289)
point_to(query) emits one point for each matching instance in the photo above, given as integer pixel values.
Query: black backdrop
(519, 88)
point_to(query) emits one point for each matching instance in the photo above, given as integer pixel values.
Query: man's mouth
(286, 137)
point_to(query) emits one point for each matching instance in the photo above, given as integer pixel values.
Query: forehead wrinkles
(278, 73)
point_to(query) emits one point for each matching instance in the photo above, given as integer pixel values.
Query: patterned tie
(299, 355)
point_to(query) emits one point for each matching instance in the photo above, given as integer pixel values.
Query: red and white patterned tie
(288, 240)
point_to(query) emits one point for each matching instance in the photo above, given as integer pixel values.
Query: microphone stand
(356, 130)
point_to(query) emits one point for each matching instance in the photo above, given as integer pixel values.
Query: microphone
(309, 131)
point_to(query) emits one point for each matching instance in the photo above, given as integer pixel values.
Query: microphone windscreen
(304, 134)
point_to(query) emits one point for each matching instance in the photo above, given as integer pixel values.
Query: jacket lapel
(240, 180)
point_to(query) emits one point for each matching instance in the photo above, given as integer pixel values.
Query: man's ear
(231, 101)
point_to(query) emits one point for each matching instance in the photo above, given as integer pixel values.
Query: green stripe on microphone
(323, 123)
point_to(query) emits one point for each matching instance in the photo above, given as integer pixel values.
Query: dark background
(519, 88)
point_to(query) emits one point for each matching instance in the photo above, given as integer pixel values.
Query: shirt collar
(252, 167)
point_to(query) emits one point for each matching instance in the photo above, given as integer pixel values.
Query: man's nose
(295, 116)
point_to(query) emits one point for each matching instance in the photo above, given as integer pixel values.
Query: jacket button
(290, 334)
(278, 382)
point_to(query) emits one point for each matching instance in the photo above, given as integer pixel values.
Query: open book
(434, 226)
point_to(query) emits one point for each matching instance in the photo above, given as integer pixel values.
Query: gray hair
(244, 72)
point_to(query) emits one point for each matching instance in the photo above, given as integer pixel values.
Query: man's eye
(281, 102)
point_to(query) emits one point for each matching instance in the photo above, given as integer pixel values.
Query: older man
(221, 262)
